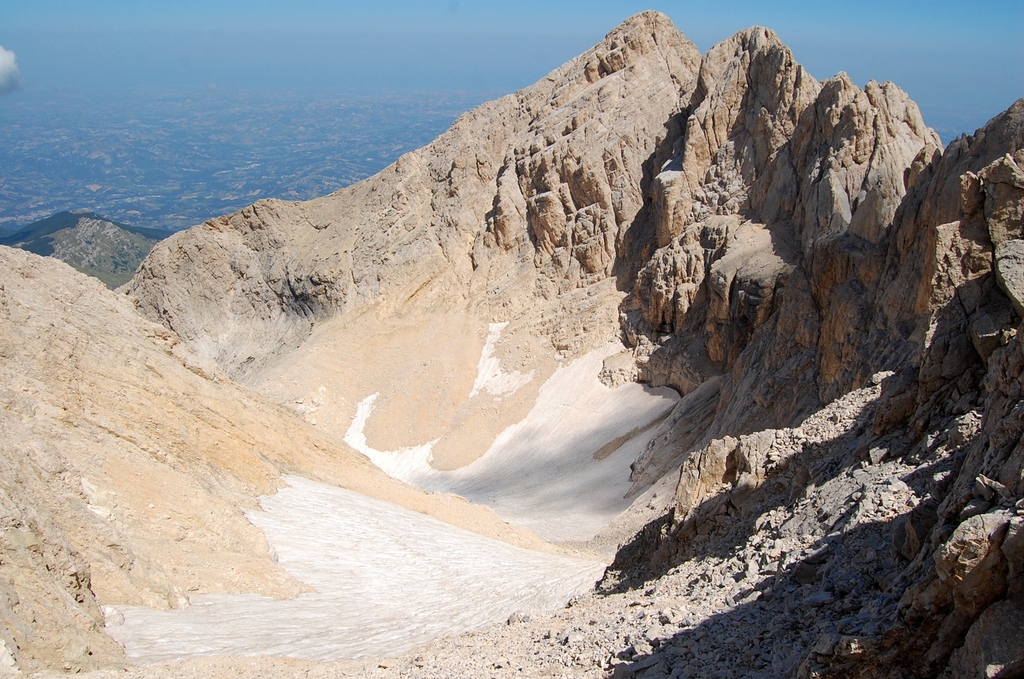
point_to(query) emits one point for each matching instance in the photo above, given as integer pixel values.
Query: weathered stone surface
(523, 201)
(1010, 271)
(125, 464)
(1003, 186)
(705, 474)
(939, 320)
(992, 643)
(972, 562)
(753, 94)
(728, 274)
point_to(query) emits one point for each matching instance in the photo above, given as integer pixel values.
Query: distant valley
(96, 179)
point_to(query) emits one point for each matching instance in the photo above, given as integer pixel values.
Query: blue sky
(962, 62)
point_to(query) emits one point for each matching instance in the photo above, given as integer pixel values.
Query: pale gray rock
(992, 643)
(523, 201)
(1009, 268)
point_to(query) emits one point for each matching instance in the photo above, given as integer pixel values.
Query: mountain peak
(650, 19)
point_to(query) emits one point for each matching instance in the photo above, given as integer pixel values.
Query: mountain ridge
(90, 243)
(63, 220)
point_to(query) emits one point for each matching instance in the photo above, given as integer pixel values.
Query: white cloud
(10, 76)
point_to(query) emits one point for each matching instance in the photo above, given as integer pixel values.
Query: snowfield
(386, 578)
(543, 472)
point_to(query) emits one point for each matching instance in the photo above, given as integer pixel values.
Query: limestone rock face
(749, 97)
(1009, 257)
(518, 214)
(992, 645)
(934, 305)
(703, 185)
(775, 288)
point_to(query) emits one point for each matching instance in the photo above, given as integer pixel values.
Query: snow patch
(489, 375)
(399, 463)
(541, 472)
(375, 595)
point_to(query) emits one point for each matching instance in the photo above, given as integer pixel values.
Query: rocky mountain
(839, 489)
(93, 245)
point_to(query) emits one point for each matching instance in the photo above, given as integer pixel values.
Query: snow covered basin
(386, 578)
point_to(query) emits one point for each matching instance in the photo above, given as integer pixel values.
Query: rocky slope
(127, 463)
(835, 297)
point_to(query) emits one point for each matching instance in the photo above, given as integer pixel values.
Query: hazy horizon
(961, 67)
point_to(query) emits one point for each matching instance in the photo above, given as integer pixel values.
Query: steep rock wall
(944, 320)
(774, 292)
(738, 201)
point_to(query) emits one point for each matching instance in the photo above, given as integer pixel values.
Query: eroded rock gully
(837, 492)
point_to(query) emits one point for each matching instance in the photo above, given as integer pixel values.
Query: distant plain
(169, 158)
